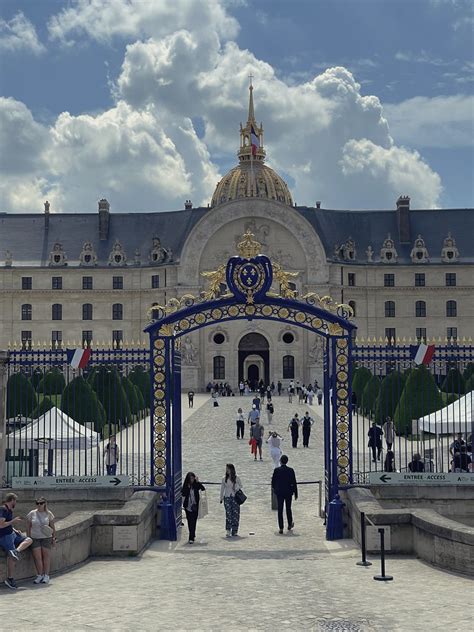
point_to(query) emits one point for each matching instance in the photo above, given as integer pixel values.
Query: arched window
(87, 311)
(451, 308)
(352, 304)
(288, 367)
(389, 309)
(26, 312)
(420, 309)
(219, 368)
(56, 311)
(117, 311)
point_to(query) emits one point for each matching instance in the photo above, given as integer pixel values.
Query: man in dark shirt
(11, 541)
(284, 486)
(191, 399)
(375, 435)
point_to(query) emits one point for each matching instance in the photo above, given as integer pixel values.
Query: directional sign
(424, 478)
(60, 482)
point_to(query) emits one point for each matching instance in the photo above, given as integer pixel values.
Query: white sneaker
(38, 580)
(45, 579)
(227, 534)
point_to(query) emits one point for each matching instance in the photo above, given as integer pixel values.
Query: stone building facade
(70, 279)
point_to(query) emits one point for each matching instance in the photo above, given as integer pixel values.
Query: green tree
(36, 378)
(141, 378)
(43, 407)
(420, 397)
(21, 396)
(469, 370)
(454, 382)
(370, 394)
(389, 395)
(141, 401)
(110, 391)
(470, 384)
(52, 383)
(81, 403)
(359, 379)
(131, 394)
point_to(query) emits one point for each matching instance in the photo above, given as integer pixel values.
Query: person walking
(256, 402)
(240, 424)
(241, 388)
(306, 424)
(256, 432)
(389, 463)
(290, 394)
(191, 499)
(319, 395)
(274, 442)
(279, 387)
(41, 529)
(111, 456)
(310, 395)
(389, 432)
(231, 483)
(375, 435)
(254, 414)
(191, 399)
(11, 541)
(294, 428)
(270, 411)
(284, 486)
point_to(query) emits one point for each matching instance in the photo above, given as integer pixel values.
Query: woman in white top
(230, 484)
(41, 528)
(274, 441)
(240, 424)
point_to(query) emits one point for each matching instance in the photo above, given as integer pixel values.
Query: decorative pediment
(158, 254)
(117, 256)
(349, 252)
(57, 256)
(388, 252)
(419, 252)
(449, 252)
(88, 258)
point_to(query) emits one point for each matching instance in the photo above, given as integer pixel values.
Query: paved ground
(258, 581)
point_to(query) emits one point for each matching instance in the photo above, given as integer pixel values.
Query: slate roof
(25, 236)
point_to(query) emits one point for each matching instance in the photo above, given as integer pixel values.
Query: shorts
(11, 541)
(259, 443)
(43, 543)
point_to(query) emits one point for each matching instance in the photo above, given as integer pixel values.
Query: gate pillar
(4, 360)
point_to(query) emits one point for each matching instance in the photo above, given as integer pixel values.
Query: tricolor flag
(423, 354)
(78, 358)
(254, 139)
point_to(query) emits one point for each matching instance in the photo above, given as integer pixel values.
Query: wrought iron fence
(60, 418)
(408, 416)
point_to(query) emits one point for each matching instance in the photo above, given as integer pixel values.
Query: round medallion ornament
(317, 323)
(200, 319)
(342, 344)
(216, 314)
(159, 360)
(250, 310)
(267, 310)
(159, 377)
(342, 360)
(184, 324)
(159, 344)
(342, 410)
(233, 311)
(159, 480)
(160, 462)
(160, 444)
(342, 426)
(342, 393)
(342, 444)
(300, 317)
(343, 479)
(342, 376)
(159, 427)
(159, 393)
(283, 312)
(343, 461)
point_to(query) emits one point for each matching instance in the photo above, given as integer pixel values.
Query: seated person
(461, 460)
(416, 465)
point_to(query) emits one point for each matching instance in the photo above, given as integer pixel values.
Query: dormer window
(419, 252)
(449, 252)
(57, 256)
(158, 254)
(117, 256)
(388, 252)
(87, 256)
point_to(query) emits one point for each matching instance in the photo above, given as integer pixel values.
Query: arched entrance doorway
(254, 358)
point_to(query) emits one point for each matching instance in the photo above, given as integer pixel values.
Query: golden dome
(251, 178)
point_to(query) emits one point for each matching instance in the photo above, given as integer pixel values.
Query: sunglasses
(41, 503)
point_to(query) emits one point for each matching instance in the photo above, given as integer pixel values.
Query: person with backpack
(270, 411)
(191, 500)
(111, 456)
(256, 433)
(306, 424)
(231, 484)
(294, 428)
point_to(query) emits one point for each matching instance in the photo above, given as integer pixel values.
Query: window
(420, 280)
(26, 312)
(56, 311)
(450, 279)
(390, 335)
(26, 339)
(117, 337)
(451, 309)
(86, 337)
(352, 305)
(26, 283)
(219, 338)
(219, 367)
(57, 283)
(351, 279)
(420, 309)
(87, 311)
(117, 311)
(389, 309)
(117, 283)
(288, 338)
(155, 281)
(389, 280)
(57, 339)
(421, 334)
(288, 367)
(452, 333)
(87, 283)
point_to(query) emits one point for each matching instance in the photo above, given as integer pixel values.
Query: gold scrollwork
(216, 278)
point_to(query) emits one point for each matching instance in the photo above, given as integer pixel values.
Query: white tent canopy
(457, 417)
(54, 429)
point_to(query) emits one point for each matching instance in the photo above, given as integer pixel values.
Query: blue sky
(414, 56)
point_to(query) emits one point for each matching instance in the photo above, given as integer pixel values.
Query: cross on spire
(250, 79)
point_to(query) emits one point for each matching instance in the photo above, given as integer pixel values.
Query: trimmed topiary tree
(21, 396)
(81, 403)
(141, 378)
(52, 383)
(110, 391)
(131, 394)
(141, 401)
(390, 392)
(470, 384)
(43, 407)
(36, 378)
(469, 370)
(370, 394)
(420, 397)
(454, 382)
(360, 378)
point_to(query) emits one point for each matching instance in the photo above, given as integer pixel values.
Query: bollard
(334, 528)
(363, 543)
(382, 577)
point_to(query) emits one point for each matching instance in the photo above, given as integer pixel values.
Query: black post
(363, 542)
(382, 577)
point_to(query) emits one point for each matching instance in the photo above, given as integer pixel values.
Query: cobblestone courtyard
(258, 581)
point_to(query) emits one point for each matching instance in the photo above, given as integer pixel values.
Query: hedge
(43, 407)
(454, 382)
(80, 403)
(52, 383)
(420, 397)
(470, 384)
(130, 391)
(21, 396)
(469, 370)
(36, 377)
(390, 392)
(368, 401)
(110, 391)
(360, 378)
(141, 378)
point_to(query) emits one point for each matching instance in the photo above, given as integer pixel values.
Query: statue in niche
(8, 259)
(188, 351)
(316, 351)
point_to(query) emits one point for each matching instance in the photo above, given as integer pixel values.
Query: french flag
(78, 358)
(254, 140)
(423, 354)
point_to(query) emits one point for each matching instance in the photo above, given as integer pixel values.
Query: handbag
(240, 497)
(203, 505)
(46, 531)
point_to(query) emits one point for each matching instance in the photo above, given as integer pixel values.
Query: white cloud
(19, 34)
(444, 121)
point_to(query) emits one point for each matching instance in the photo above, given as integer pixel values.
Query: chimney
(318, 204)
(46, 215)
(188, 205)
(403, 219)
(104, 219)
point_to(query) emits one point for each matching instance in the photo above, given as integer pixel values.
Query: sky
(140, 101)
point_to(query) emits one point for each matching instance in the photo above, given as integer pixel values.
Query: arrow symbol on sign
(116, 481)
(385, 478)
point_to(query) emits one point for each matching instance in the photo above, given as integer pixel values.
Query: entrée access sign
(59, 482)
(430, 478)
